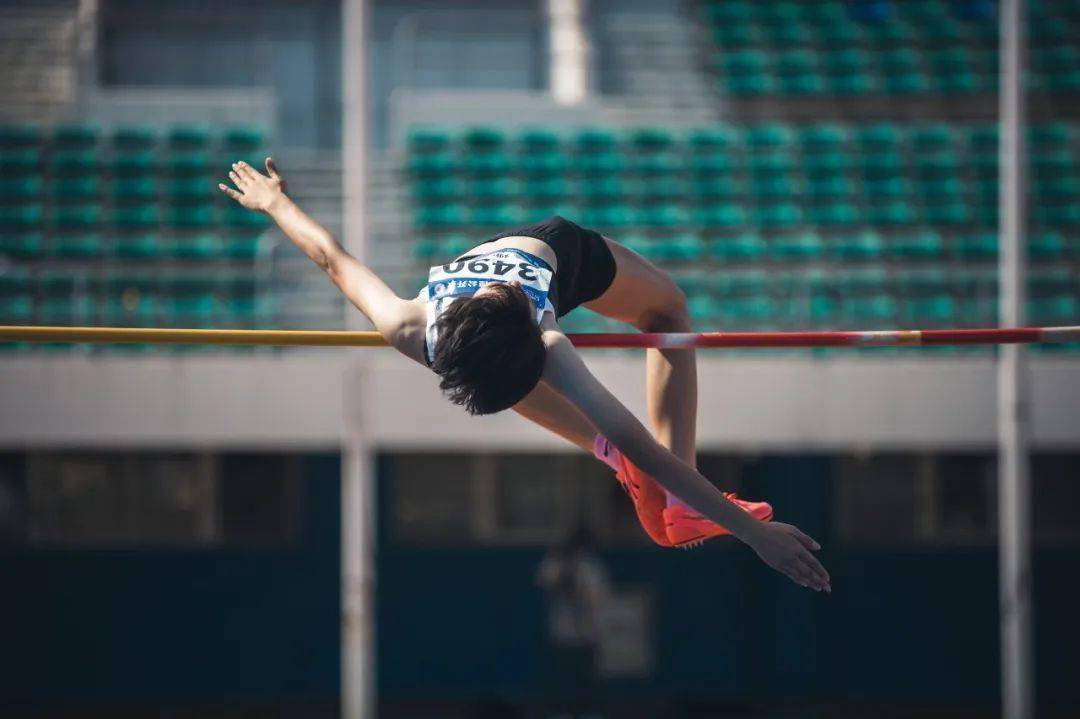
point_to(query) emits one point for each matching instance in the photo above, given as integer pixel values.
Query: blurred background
(216, 532)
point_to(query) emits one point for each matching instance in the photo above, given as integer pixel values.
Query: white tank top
(461, 278)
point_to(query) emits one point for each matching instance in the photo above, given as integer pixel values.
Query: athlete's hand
(255, 191)
(786, 549)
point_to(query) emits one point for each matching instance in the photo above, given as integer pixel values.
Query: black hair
(489, 351)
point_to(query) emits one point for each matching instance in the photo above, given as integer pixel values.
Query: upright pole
(1014, 483)
(357, 475)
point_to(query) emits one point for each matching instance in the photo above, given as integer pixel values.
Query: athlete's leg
(645, 296)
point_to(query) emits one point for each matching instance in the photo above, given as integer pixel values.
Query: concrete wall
(308, 400)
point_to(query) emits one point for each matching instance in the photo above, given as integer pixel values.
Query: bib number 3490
(525, 270)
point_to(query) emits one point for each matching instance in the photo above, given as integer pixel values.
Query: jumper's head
(489, 353)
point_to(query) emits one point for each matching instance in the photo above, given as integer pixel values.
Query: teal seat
(879, 136)
(713, 139)
(744, 247)
(771, 163)
(922, 244)
(76, 136)
(538, 140)
(20, 190)
(20, 136)
(134, 137)
(651, 139)
(979, 245)
(721, 216)
(246, 138)
(543, 165)
(667, 189)
(15, 281)
(1050, 280)
(189, 137)
(242, 246)
(888, 187)
(595, 140)
(436, 190)
(187, 164)
(835, 214)
(779, 215)
(1046, 245)
(751, 84)
(663, 216)
(483, 138)
(655, 164)
(423, 140)
(685, 247)
(823, 137)
(487, 164)
(827, 164)
(612, 216)
(21, 217)
(949, 214)
(192, 217)
(77, 189)
(704, 308)
(76, 162)
(938, 310)
(923, 282)
(497, 216)
(551, 189)
(603, 189)
(432, 165)
(800, 245)
(21, 245)
(77, 216)
(1060, 309)
(202, 246)
(136, 216)
(714, 164)
(599, 164)
(84, 245)
(892, 214)
(147, 246)
(771, 188)
(840, 33)
(829, 188)
(21, 162)
(134, 164)
(192, 190)
(863, 245)
(878, 308)
(769, 136)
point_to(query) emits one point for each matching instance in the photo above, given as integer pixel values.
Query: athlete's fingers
(814, 565)
(247, 171)
(817, 577)
(237, 179)
(271, 168)
(806, 539)
(229, 191)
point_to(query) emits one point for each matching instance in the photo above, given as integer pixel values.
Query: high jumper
(487, 324)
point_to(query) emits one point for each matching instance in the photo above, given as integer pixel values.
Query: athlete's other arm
(392, 316)
(782, 546)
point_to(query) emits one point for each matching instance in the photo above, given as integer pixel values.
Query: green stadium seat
(78, 246)
(661, 163)
(950, 213)
(827, 164)
(823, 137)
(21, 245)
(801, 245)
(426, 140)
(721, 216)
(134, 137)
(866, 244)
(483, 138)
(134, 164)
(650, 139)
(20, 136)
(1050, 280)
(923, 282)
(538, 139)
(76, 162)
(942, 32)
(65, 311)
(807, 83)
(242, 246)
(1046, 245)
(890, 33)
(243, 139)
(437, 190)
(21, 217)
(245, 221)
(596, 140)
(493, 189)
(778, 186)
(77, 216)
(713, 139)
(894, 213)
(191, 163)
(15, 281)
(714, 164)
(708, 189)
(196, 216)
(960, 81)
(599, 164)
(611, 216)
(769, 136)
(771, 162)
(828, 188)
(854, 84)
(879, 308)
(879, 136)
(603, 189)
(76, 135)
(543, 165)
(189, 137)
(140, 247)
(738, 34)
(922, 244)
(835, 214)
(77, 189)
(497, 216)
(704, 309)
(663, 188)
(685, 247)
(933, 138)
(950, 188)
(888, 187)
(779, 215)
(20, 162)
(751, 85)
(1060, 309)
(16, 190)
(744, 247)
(840, 33)
(938, 310)
(192, 190)
(663, 216)
(203, 246)
(976, 246)
(791, 34)
(136, 216)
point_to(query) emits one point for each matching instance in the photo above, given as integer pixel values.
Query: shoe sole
(702, 538)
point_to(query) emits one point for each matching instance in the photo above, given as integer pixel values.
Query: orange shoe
(686, 528)
(648, 497)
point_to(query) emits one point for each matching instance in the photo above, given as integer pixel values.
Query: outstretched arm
(365, 289)
(782, 546)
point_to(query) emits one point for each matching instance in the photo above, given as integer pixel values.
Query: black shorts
(586, 266)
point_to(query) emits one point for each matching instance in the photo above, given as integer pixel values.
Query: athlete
(486, 323)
